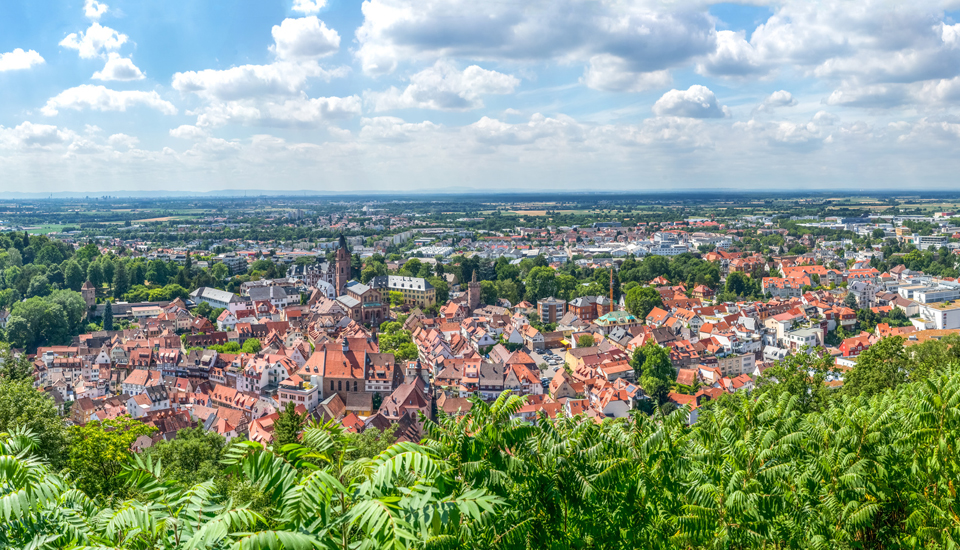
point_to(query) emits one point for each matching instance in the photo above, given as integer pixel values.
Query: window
(354, 385)
(331, 385)
(339, 385)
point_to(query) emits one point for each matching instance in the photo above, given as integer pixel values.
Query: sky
(343, 96)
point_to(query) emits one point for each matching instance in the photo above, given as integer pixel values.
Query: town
(410, 322)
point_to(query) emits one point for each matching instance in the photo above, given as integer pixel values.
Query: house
(138, 380)
(409, 399)
(852, 347)
(218, 298)
(532, 338)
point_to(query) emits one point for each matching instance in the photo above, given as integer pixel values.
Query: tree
(507, 290)
(22, 406)
(441, 287)
(396, 298)
(95, 274)
(541, 282)
(121, 281)
(637, 359)
(203, 309)
(108, 268)
(251, 345)
(192, 457)
(658, 373)
(73, 276)
(850, 300)
(45, 322)
(488, 292)
(640, 301)
(108, 316)
(220, 272)
(39, 286)
(73, 307)
(879, 233)
(157, 272)
(736, 283)
(585, 341)
(882, 366)
(288, 426)
(804, 375)
(98, 451)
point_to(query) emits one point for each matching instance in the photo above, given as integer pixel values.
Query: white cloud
(119, 68)
(301, 111)
(612, 74)
(393, 129)
(308, 6)
(650, 37)
(95, 41)
(99, 98)
(304, 38)
(734, 57)
(93, 9)
(19, 59)
(186, 131)
(123, 140)
(444, 87)
(28, 134)
(780, 98)
(695, 102)
(245, 81)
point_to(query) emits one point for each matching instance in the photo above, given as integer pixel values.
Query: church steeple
(343, 266)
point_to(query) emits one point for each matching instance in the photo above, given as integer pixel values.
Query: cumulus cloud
(301, 111)
(444, 87)
(119, 68)
(19, 60)
(308, 6)
(281, 78)
(649, 37)
(95, 41)
(123, 140)
(611, 73)
(99, 98)
(393, 129)
(695, 102)
(304, 38)
(93, 9)
(28, 134)
(734, 57)
(187, 131)
(780, 98)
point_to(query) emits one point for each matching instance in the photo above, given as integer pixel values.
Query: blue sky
(403, 95)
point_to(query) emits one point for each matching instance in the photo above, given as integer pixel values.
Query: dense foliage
(769, 470)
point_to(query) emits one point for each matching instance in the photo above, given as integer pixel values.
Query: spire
(342, 243)
(474, 276)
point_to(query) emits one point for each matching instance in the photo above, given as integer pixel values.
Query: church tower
(473, 293)
(343, 267)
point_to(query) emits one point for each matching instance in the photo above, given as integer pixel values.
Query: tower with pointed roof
(342, 267)
(89, 294)
(473, 293)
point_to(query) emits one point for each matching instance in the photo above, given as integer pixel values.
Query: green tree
(640, 301)
(46, 323)
(658, 373)
(121, 281)
(22, 406)
(108, 316)
(108, 267)
(192, 457)
(488, 292)
(396, 298)
(73, 307)
(541, 282)
(39, 286)
(98, 451)
(73, 276)
(287, 427)
(805, 375)
(736, 283)
(850, 300)
(441, 287)
(251, 345)
(882, 366)
(585, 341)
(95, 274)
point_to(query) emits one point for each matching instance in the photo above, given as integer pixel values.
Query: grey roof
(398, 282)
(266, 293)
(207, 293)
(348, 301)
